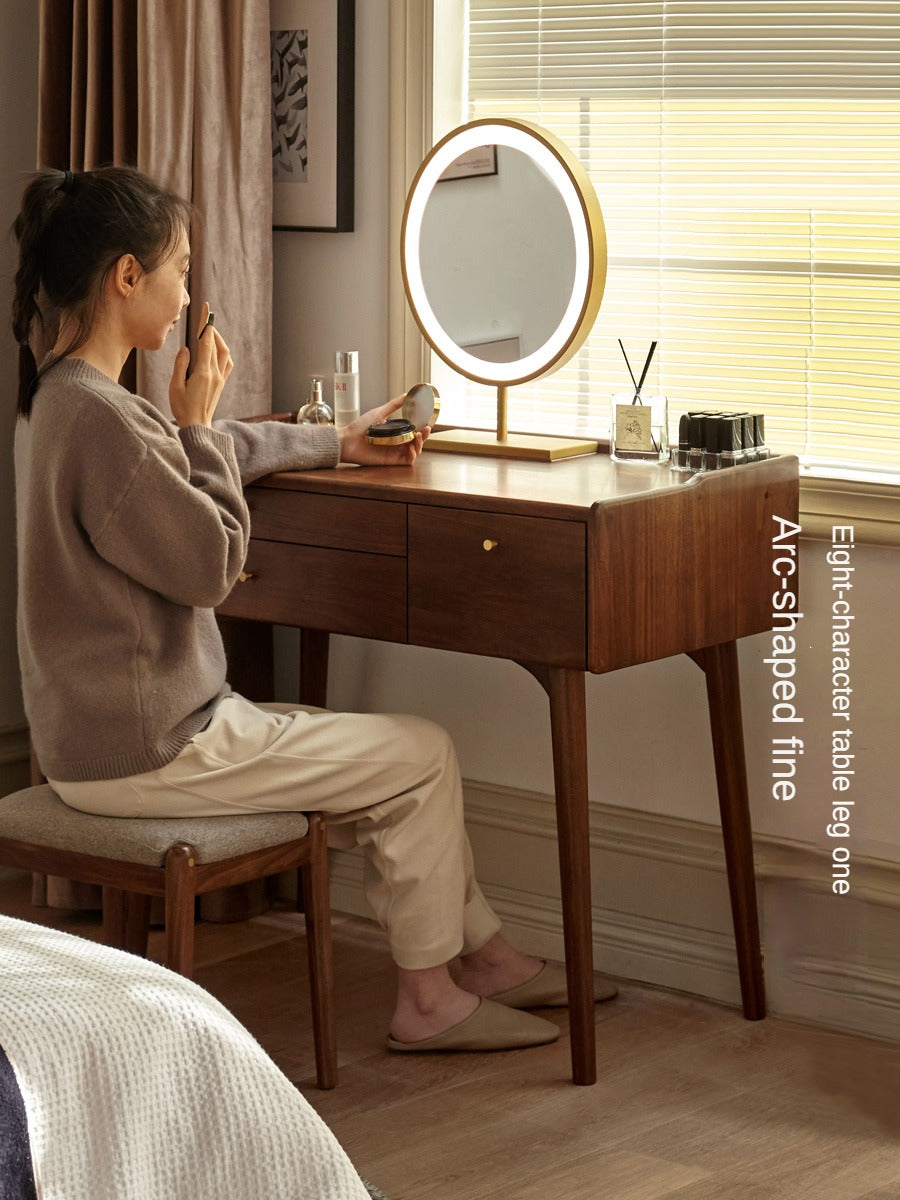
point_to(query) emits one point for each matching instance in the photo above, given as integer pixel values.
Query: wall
(660, 896)
(330, 290)
(18, 103)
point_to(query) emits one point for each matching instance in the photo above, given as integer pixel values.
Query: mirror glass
(497, 254)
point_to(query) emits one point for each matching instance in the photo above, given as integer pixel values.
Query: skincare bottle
(315, 411)
(346, 387)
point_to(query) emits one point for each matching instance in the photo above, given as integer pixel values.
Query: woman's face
(159, 297)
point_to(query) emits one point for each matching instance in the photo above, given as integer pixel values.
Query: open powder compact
(421, 406)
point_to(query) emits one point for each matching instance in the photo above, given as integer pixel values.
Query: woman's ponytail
(42, 197)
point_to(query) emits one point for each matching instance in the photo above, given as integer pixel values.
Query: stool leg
(126, 920)
(180, 910)
(137, 923)
(317, 910)
(115, 907)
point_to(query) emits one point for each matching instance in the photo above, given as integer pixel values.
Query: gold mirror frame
(556, 161)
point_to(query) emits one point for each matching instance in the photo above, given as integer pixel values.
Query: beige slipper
(490, 1027)
(548, 989)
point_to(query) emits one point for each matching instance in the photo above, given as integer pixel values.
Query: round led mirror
(504, 261)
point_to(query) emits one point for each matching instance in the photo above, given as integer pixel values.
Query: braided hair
(72, 229)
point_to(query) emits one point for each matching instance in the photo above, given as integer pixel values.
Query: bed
(120, 1079)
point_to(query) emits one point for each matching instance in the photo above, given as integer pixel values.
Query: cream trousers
(390, 784)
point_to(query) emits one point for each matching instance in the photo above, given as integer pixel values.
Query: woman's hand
(356, 449)
(194, 399)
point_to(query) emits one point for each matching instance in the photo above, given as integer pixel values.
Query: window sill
(873, 509)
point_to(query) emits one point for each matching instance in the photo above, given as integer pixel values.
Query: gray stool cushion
(37, 815)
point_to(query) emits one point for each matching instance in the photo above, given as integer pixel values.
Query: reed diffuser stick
(637, 394)
(628, 365)
(640, 383)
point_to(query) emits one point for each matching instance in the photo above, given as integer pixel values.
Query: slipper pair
(491, 1026)
(497, 1023)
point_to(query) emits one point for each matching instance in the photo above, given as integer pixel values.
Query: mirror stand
(539, 447)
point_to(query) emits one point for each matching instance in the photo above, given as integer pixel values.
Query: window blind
(747, 160)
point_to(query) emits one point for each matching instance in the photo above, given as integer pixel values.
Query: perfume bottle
(315, 411)
(346, 387)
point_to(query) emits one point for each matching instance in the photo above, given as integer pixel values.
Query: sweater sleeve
(171, 513)
(266, 446)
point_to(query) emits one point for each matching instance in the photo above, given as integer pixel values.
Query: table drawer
(339, 590)
(338, 522)
(523, 597)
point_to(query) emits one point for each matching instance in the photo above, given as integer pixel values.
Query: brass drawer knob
(489, 544)
(245, 575)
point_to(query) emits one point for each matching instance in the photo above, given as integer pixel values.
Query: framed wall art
(312, 59)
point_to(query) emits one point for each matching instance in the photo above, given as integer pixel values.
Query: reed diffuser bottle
(639, 424)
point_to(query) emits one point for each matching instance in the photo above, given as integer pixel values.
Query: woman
(131, 529)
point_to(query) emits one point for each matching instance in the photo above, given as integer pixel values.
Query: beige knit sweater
(129, 532)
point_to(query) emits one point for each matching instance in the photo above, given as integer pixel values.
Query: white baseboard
(661, 911)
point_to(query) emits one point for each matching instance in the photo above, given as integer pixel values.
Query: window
(747, 160)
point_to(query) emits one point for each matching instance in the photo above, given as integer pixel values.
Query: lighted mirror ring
(583, 209)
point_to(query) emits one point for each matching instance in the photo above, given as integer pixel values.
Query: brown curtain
(87, 101)
(180, 89)
(204, 100)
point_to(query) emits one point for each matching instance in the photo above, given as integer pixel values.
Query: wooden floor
(693, 1102)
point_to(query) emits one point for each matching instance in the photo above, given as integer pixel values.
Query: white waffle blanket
(138, 1085)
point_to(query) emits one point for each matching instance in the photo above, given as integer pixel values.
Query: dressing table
(540, 550)
(582, 565)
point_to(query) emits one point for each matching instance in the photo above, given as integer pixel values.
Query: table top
(567, 489)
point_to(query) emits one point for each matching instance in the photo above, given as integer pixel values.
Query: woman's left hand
(193, 398)
(356, 449)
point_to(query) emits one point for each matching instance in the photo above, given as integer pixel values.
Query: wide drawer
(339, 522)
(510, 587)
(343, 591)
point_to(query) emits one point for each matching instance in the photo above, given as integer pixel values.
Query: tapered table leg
(251, 659)
(314, 645)
(565, 687)
(720, 665)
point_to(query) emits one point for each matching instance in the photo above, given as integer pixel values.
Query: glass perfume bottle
(315, 411)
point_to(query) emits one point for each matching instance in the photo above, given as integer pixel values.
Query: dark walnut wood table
(580, 565)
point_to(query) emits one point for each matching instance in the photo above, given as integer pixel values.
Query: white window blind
(747, 160)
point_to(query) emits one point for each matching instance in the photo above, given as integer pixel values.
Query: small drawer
(338, 522)
(511, 587)
(338, 590)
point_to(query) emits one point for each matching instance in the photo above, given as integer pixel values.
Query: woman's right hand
(193, 399)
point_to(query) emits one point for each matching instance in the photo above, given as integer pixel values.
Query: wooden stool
(179, 858)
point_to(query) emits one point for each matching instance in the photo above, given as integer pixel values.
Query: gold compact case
(421, 406)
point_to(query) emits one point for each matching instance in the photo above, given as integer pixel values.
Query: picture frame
(480, 160)
(313, 109)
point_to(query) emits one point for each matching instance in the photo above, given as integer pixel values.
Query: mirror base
(536, 447)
